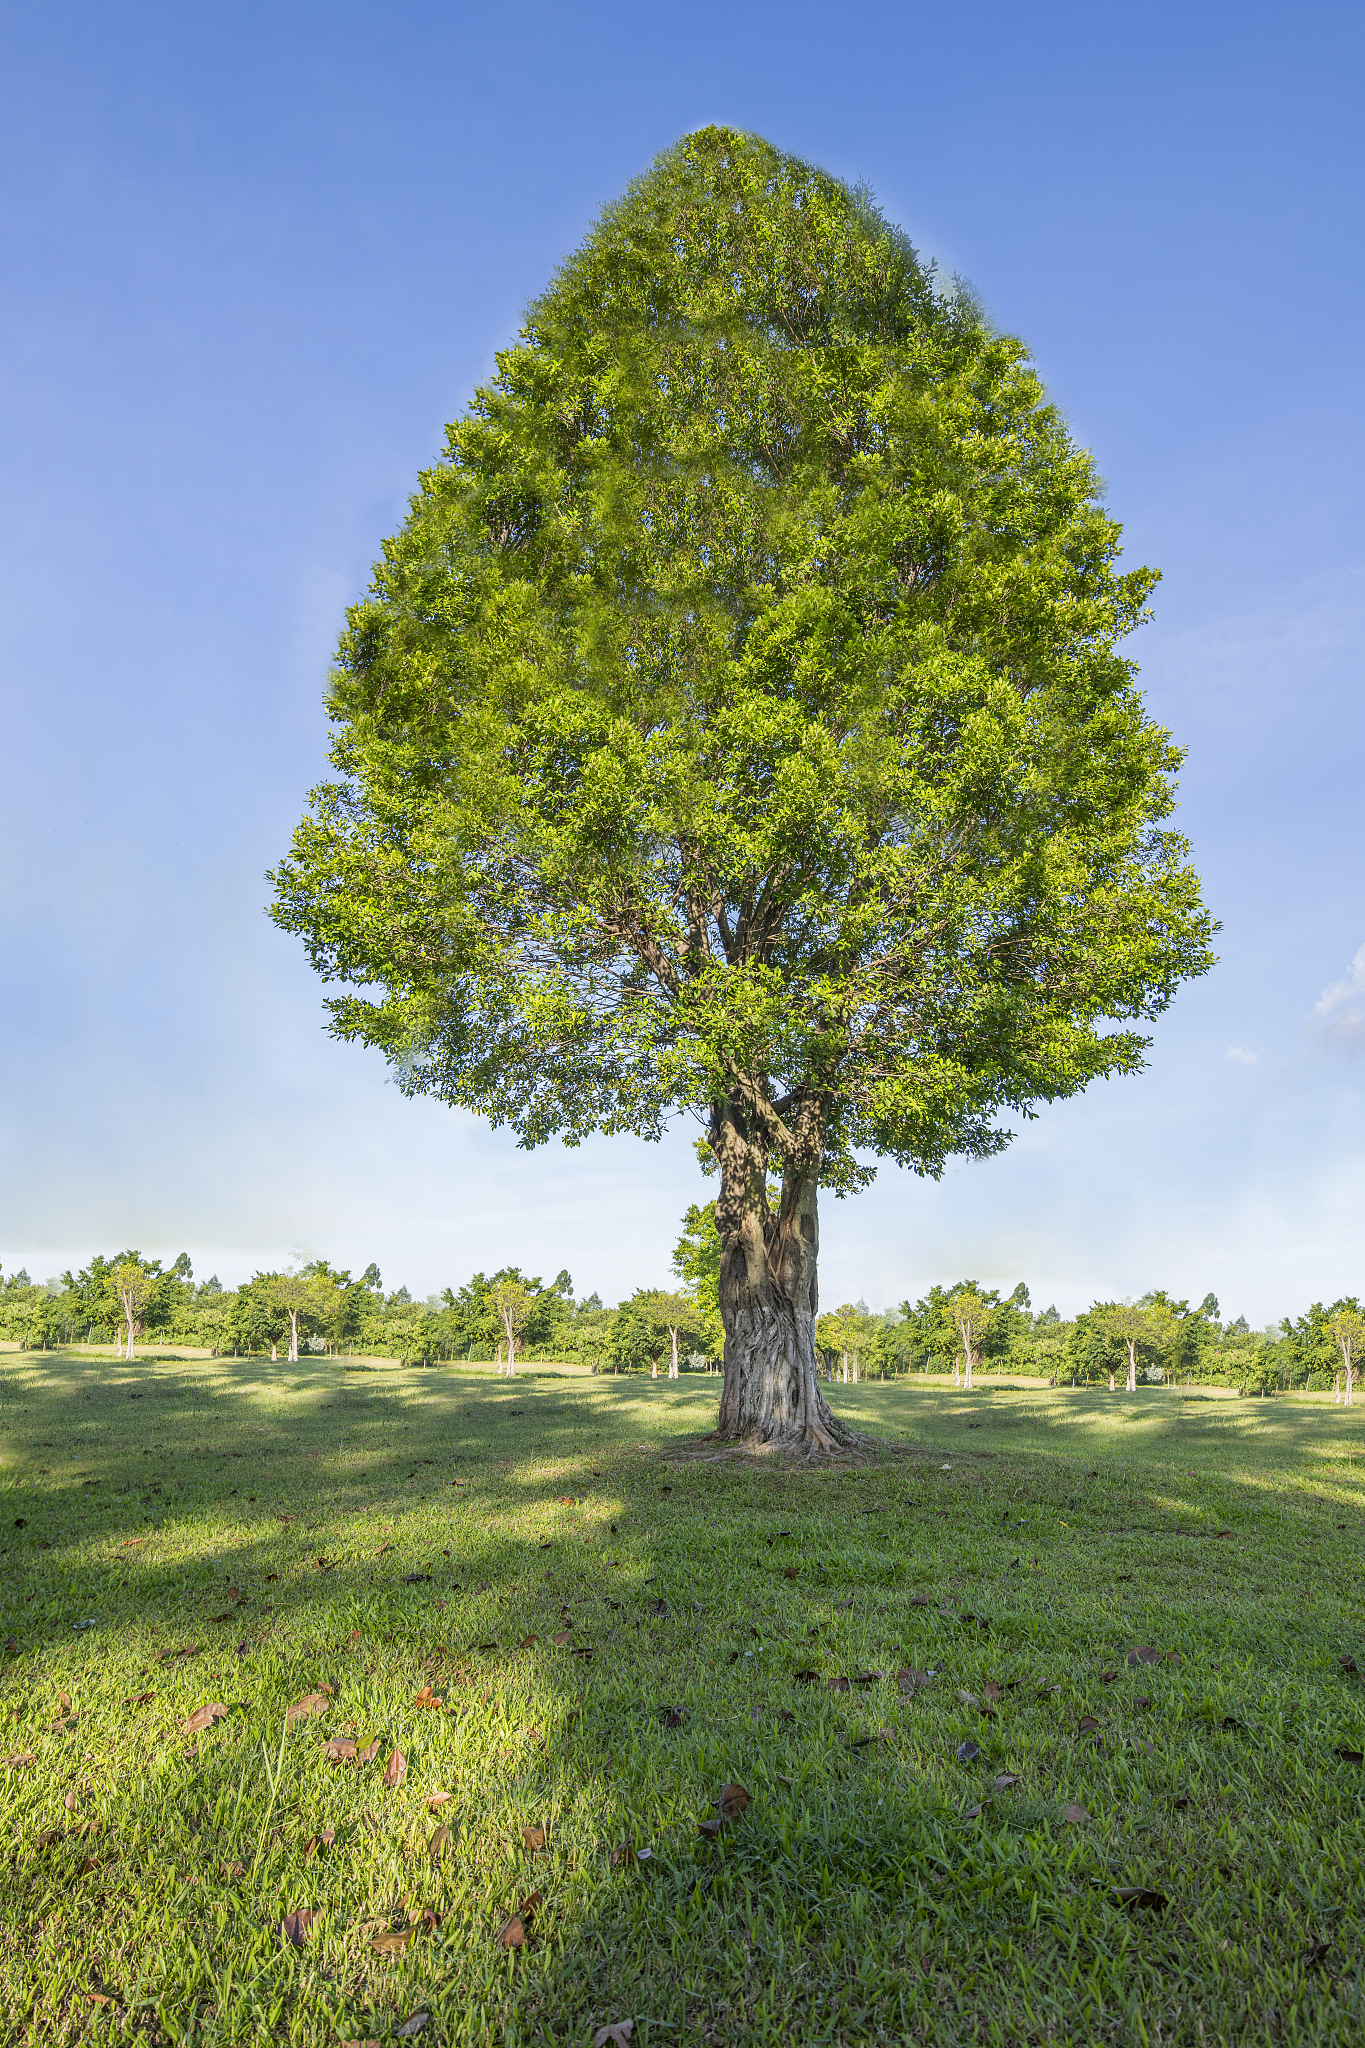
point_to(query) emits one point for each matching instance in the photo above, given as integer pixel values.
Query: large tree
(738, 725)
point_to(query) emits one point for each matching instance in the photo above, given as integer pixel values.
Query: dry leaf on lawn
(311, 1703)
(1146, 1655)
(393, 1940)
(1005, 1780)
(439, 1843)
(427, 1698)
(991, 1691)
(340, 1750)
(619, 2034)
(533, 1838)
(790, 1571)
(412, 2025)
(527, 1642)
(1347, 1663)
(836, 1685)
(1075, 1814)
(732, 1802)
(967, 1752)
(368, 1754)
(396, 1769)
(1086, 1723)
(298, 1925)
(437, 1799)
(1139, 1895)
(565, 1635)
(203, 1717)
(1350, 1756)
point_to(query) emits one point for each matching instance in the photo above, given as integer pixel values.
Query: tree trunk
(957, 1370)
(769, 1299)
(274, 1351)
(1132, 1369)
(967, 1376)
(1111, 1382)
(293, 1336)
(673, 1355)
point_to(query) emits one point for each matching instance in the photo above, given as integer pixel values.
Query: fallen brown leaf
(1146, 1655)
(296, 1927)
(311, 1703)
(527, 1641)
(395, 1770)
(533, 1838)
(732, 1802)
(909, 1679)
(836, 1685)
(973, 1813)
(368, 1754)
(413, 2024)
(436, 1800)
(393, 1940)
(710, 1828)
(203, 1717)
(672, 1717)
(1086, 1723)
(139, 1699)
(805, 1677)
(1075, 1814)
(1139, 1895)
(790, 1571)
(1005, 1780)
(340, 1750)
(439, 1843)
(565, 1635)
(428, 1699)
(619, 2034)
(1350, 1756)
(233, 1869)
(63, 1703)
(322, 1840)
(1108, 1677)
(991, 1691)
(1347, 1663)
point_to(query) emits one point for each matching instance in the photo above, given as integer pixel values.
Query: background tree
(1346, 1327)
(696, 1261)
(1149, 1330)
(133, 1286)
(511, 1300)
(738, 725)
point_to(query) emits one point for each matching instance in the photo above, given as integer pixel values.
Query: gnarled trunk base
(771, 1395)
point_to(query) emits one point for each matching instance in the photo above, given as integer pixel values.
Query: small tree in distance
(738, 726)
(1347, 1330)
(511, 1301)
(1149, 1330)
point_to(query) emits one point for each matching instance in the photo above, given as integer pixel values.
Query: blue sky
(253, 257)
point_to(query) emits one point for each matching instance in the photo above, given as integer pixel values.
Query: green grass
(861, 1896)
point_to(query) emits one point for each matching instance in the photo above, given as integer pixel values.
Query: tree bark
(1131, 1387)
(769, 1297)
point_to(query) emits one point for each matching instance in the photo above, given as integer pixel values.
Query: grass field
(179, 1534)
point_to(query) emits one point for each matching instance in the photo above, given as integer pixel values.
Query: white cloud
(1340, 1010)
(1243, 1057)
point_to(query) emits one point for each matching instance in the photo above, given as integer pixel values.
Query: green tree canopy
(738, 725)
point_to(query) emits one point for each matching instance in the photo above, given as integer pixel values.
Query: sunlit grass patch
(559, 1620)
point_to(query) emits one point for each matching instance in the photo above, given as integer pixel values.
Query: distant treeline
(961, 1329)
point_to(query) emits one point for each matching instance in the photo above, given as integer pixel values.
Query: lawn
(971, 1815)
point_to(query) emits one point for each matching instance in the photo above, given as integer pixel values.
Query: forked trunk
(769, 1302)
